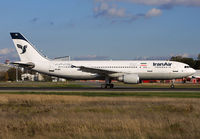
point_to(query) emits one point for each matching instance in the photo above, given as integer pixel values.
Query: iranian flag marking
(143, 64)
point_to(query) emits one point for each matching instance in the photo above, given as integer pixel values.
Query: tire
(111, 85)
(172, 86)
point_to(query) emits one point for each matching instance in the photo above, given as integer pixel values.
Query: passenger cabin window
(187, 66)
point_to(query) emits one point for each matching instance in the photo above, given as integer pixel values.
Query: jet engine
(129, 78)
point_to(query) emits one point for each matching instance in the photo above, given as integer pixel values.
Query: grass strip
(117, 94)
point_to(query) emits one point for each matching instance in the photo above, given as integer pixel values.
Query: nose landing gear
(172, 84)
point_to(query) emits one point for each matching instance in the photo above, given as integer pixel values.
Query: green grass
(117, 94)
(74, 84)
(158, 85)
(41, 84)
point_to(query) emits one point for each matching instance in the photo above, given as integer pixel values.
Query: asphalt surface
(95, 89)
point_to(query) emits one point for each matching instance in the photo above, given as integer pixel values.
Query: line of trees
(10, 75)
(194, 63)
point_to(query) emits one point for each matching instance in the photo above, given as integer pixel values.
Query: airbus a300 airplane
(131, 72)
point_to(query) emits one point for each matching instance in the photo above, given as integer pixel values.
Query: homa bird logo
(22, 47)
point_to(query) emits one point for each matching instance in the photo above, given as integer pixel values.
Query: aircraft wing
(24, 64)
(193, 76)
(103, 72)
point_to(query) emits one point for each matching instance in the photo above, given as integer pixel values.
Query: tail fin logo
(22, 47)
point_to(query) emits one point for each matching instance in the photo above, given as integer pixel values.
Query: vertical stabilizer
(26, 50)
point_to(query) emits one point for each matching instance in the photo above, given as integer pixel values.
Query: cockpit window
(187, 66)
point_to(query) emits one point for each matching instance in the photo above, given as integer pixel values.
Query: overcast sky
(118, 29)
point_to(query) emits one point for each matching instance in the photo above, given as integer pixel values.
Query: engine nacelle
(129, 78)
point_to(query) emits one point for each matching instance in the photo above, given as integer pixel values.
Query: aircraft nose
(193, 71)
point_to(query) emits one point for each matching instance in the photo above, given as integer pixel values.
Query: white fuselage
(148, 70)
(125, 71)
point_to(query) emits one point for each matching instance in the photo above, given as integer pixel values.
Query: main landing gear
(172, 84)
(108, 83)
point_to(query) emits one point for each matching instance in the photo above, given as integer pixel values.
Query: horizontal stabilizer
(25, 65)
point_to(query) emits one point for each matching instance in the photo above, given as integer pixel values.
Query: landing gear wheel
(111, 85)
(103, 86)
(107, 85)
(172, 86)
